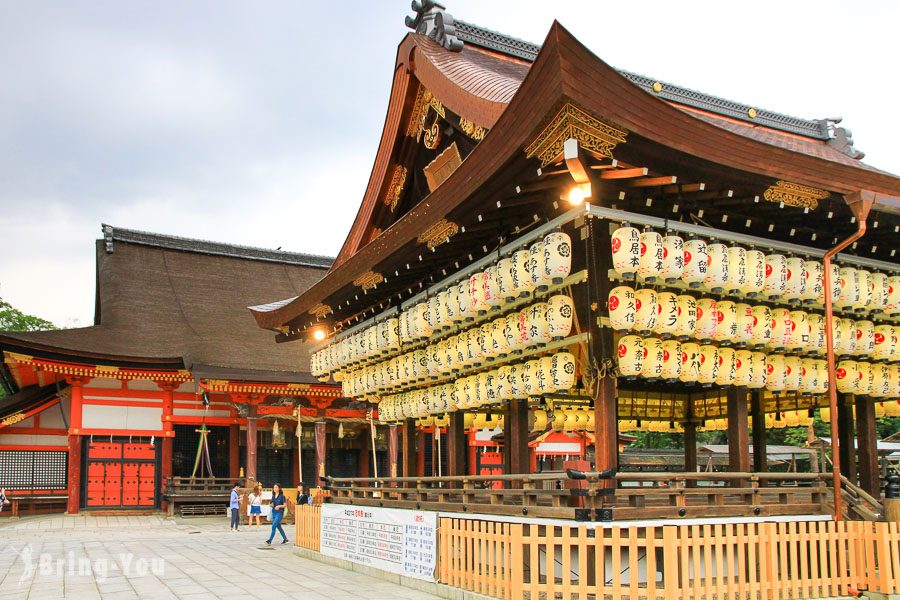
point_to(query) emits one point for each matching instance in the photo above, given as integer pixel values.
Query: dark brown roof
(163, 299)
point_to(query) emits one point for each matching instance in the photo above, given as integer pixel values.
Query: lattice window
(33, 470)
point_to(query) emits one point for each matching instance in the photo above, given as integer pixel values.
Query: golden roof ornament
(795, 194)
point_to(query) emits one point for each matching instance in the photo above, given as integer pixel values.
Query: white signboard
(398, 541)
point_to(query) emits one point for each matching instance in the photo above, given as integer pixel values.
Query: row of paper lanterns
(706, 364)
(561, 419)
(736, 270)
(684, 317)
(549, 374)
(888, 408)
(533, 326)
(535, 267)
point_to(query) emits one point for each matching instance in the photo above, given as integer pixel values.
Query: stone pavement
(85, 557)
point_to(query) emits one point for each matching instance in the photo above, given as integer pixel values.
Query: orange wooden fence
(307, 524)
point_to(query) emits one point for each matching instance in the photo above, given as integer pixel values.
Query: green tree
(12, 319)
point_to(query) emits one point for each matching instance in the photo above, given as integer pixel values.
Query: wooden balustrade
(586, 496)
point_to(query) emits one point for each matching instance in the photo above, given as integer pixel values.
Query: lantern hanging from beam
(756, 273)
(626, 250)
(560, 310)
(716, 267)
(651, 263)
(646, 304)
(673, 258)
(709, 364)
(776, 275)
(686, 322)
(557, 256)
(707, 319)
(630, 355)
(671, 366)
(696, 262)
(737, 270)
(652, 365)
(795, 282)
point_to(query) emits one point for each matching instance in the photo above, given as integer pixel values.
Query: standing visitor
(255, 506)
(3, 499)
(235, 506)
(278, 504)
(302, 496)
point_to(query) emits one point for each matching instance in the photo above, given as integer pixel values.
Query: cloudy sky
(257, 123)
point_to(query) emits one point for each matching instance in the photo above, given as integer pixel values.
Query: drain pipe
(860, 203)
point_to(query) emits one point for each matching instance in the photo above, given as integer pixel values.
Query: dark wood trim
(867, 450)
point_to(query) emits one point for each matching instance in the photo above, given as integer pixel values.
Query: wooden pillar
(420, 453)
(74, 476)
(760, 453)
(168, 410)
(320, 453)
(250, 471)
(738, 434)
(473, 453)
(393, 450)
(408, 447)
(456, 444)
(234, 451)
(365, 440)
(515, 437)
(867, 452)
(606, 434)
(846, 441)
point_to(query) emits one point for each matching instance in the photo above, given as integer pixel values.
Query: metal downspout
(860, 203)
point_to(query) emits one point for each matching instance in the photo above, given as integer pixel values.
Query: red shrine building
(102, 416)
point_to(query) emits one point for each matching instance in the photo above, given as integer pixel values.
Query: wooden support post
(515, 438)
(234, 451)
(846, 437)
(250, 471)
(760, 453)
(420, 453)
(320, 453)
(408, 448)
(165, 468)
(473, 453)
(738, 434)
(168, 410)
(456, 444)
(365, 440)
(606, 426)
(74, 476)
(867, 452)
(393, 450)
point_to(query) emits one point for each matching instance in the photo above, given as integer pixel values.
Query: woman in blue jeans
(278, 504)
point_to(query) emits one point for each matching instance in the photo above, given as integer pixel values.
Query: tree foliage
(12, 319)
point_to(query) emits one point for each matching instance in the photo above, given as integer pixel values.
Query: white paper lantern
(539, 329)
(814, 281)
(622, 308)
(498, 339)
(776, 370)
(726, 329)
(709, 364)
(881, 380)
(781, 329)
(544, 379)
(515, 381)
(465, 311)
(690, 362)
(652, 365)
(864, 382)
(892, 307)
(525, 327)
(792, 372)
(671, 367)
(799, 331)
(847, 376)
(809, 376)
(537, 267)
(817, 339)
(756, 273)
(743, 368)
(504, 390)
(727, 374)
(651, 263)
(686, 322)
(864, 290)
(776, 275)
(759, 370)
(847, 336)
(668, 313)
(865, 338)
(885, 342)
(486, 339)
(626, 250)
(562, 371)
(717, 267)
(646, 304)
(696, 261)
(511, 332)
(557, 256)
(475, 346)
(529, 377)
(522, 282)
(849, 296)
(795, 282)
(707, 319)
(737, 270)
(673, 258)
(560, 310)
(491, 285)
(744, 322)
(505, 281)
(879, 291)
(630, 355)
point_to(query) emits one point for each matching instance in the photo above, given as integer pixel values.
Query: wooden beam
(625, 173)
(653, 181)
(684, 188)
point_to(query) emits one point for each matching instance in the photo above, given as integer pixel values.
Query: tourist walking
(278, 504)
(255, 506)
(235, 506)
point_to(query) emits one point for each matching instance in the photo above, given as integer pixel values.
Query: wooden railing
(198, 486)
(859, 504)
(594, 496)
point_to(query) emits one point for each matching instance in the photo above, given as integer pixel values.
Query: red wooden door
(120, 475)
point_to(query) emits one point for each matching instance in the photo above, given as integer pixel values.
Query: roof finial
(432, 20)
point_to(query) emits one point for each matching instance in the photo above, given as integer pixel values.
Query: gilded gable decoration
(794, 194)
(574, 122)
(395, 189)
(368, 280)
(438, 170)
(476, 132)
(432, 137)
(424, 100)
(438, 234)
(320, 310)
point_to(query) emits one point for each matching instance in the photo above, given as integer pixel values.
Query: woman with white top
(255, 503)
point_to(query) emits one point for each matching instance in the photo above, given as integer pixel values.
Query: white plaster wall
(7, 439)
(125, 418)
(105, 383)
